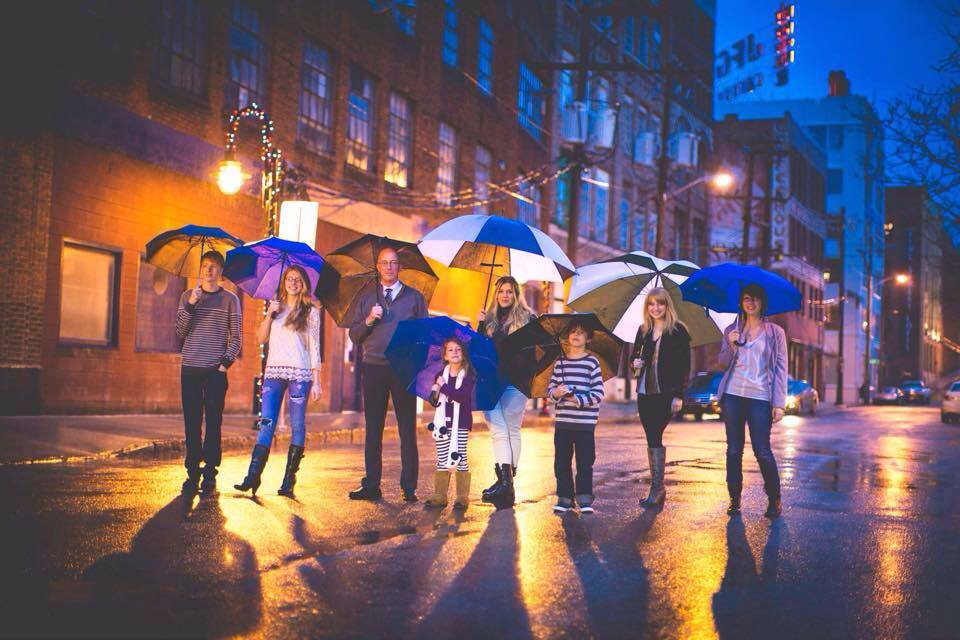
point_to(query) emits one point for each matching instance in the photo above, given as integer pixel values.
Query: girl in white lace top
(291, 329)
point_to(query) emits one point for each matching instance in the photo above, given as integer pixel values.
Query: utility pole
(747, 204)
(841, 303)
(867, 351)
(663, 162)
(579, 150)
(768, 215)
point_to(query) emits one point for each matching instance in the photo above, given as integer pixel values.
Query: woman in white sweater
(292, 330)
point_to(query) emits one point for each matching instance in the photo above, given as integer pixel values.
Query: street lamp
(721, 180)
(230, 177)
(899, 279)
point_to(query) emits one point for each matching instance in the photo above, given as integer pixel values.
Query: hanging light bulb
(230, 177)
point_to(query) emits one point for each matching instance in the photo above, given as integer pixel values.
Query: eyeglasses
(389, 263)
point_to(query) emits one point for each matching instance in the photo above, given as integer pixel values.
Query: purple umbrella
(257, 267)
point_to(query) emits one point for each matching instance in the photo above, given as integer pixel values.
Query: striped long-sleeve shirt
(209, 330)
(582, 376)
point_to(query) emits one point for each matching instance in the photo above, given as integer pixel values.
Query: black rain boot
(191, 485)
(734, 508)
(209, 485)
(294, 456)
(503, 497)
(495, 484)
(258, 460)
(773, 507)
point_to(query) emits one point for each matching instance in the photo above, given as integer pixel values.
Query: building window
(528, 209)
(247, 58)
(836, 137)
(481, 178)
(623, 228)
(360, 120)
(680, 246)
(316, 97)
(635, 37)
(158, 296)
(447, 164)
(599, 96)
(403, 12)
(398, 142)
(485, 56)
(181, 60)
(656, 39)
(594, 196)
(449, 50)
(834, 181)
(530, 101)
(88, 295)
(563, 201)
(699, 242)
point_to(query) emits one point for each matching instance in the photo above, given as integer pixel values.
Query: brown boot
(463, 491)
(441, 482)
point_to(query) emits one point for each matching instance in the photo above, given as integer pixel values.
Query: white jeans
(504, 422)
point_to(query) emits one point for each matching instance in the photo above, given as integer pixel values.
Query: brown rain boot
(441, 482)
(463, 491)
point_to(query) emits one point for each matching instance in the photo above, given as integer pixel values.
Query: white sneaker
(586, 509)
(563, 505)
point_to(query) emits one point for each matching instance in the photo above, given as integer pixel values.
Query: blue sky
(885, 46)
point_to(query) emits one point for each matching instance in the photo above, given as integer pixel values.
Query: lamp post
(900, 279)
(719, 181)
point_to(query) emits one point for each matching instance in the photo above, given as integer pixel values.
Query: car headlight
(791, 401)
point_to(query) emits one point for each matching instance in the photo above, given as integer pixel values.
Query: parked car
(802, 398)
(701, 396)
(915, 392)
(888, 395)
(950, 408)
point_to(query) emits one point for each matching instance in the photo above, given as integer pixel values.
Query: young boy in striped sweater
(577, 387)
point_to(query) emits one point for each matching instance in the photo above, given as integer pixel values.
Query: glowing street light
(902, 278)
(230, 176)
(722, 180)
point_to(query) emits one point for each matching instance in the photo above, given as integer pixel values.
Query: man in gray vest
(378, 310)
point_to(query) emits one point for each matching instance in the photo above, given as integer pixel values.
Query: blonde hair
(519, 314)
(302, 306)
(670, 319)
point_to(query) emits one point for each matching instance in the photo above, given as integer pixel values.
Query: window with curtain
(446, 164)
(481, 177)
(158, 296)
(88, 295)
(398, 141)
(360, 120)
(449, 52)
(247, 57)
(315, 126)
(485, 56)
(181, 62)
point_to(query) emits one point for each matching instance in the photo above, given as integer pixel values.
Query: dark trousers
(379, 383)
(655, 413)
(203, 395)
(566, 443)
(756, 414)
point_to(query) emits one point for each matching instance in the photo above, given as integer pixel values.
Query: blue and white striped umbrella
(499, 245)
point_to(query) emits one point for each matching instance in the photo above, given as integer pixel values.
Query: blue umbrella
(414, 354)
(718, 288)
(179, 250)
(256, 267)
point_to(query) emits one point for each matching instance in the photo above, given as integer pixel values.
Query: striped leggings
(443, 449)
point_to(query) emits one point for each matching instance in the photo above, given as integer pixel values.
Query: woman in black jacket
(661, 358)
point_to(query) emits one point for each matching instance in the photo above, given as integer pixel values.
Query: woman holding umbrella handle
(507, 313)
(752, 391)
(291, 328)
(661, 358)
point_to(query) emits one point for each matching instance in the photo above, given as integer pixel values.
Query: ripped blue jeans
(271, 397)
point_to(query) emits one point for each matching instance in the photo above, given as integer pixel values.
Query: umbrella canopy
(718, 288)
(499, 246)
(414, 354)
(179, 250)
(256, 267)
(354, 266)
(527, 355)
(616, 290)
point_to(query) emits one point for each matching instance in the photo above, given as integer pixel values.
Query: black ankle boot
(258, 460)
(294, 456)
(734, 508)
(773, 508)
(191, 485)
(496, 483)
(503, 496)
(209, 485)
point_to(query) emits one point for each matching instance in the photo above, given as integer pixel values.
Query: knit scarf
(440, 418)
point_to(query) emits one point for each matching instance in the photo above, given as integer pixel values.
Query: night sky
(886, 46)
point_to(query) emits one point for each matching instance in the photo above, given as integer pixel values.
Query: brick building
(401, 114)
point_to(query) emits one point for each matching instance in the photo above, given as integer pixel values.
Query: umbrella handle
(200, 261)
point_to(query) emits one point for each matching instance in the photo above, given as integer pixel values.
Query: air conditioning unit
(645, 148)
(604, 126)
(684, 148)
(573, 123)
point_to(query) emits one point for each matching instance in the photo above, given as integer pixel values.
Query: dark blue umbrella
(414, 354)
(718, 288)
(257, 267)
(179, 250)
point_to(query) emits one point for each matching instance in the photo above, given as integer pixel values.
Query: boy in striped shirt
(577, 387)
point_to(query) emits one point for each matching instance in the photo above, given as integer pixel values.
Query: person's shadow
(614, 580)
(746, 599)
(184, 575)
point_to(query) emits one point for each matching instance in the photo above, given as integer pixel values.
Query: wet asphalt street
(868, 546)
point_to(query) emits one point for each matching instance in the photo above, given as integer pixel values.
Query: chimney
(838, 84)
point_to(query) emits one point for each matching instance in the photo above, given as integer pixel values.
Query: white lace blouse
(294, 355)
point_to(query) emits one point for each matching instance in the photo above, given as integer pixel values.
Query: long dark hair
(754, 291)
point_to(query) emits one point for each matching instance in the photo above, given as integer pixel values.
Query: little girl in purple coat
(452, 395)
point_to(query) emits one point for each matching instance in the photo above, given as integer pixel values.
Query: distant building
(847, 128)
(913, 312)
(776, 219)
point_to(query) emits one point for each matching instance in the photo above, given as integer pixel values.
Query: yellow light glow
(230, 177)
(902, 278)
(722, 180)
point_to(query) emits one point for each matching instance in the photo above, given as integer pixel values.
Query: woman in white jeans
(507, 313)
